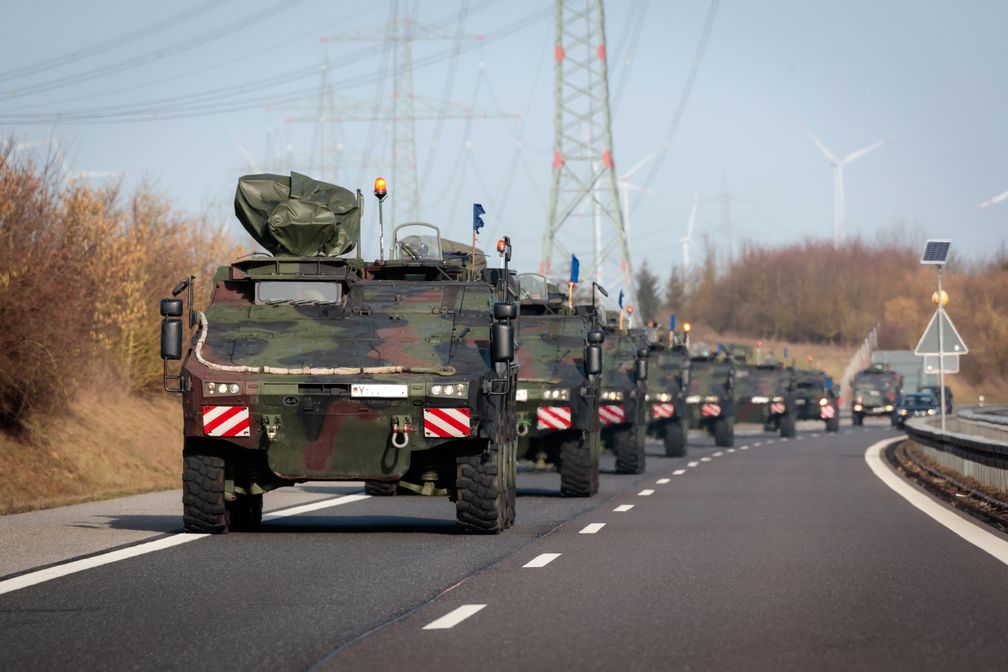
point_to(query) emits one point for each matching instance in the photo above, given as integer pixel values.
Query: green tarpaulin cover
(298, 215)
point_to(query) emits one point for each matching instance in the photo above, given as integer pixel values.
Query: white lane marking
(542, 560)
(678, 472)
(314, 506)
(848, 431)
(453, 618)
(645, 493)
(65, 569)
(731, 450)
(815, 435)
(744, 448)
(592, 528)
(769, 442)
(662, 481)
(758, 443)
(623, 507)
(718, 454)
(693, 464)
(705, 459)
(970, 532)
(784, 439)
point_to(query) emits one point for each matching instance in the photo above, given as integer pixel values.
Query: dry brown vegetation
(81, 272)
(816, 293)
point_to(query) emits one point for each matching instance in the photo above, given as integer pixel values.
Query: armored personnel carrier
(665, 399)
(622, 409)
(710, 397)
(312, 364)
(765, 394)
(558, 388)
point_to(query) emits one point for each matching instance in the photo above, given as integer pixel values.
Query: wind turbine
(838, 190)
(991, 201)
(687, 240)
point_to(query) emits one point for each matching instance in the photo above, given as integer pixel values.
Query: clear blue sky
(928, 74)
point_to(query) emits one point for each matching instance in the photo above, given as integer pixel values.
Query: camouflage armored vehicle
(558, 396)
(310, 364)
(710, 397)
(816, 398)
(765, 394)
(877, 390)
(665, 399)
(622, 409)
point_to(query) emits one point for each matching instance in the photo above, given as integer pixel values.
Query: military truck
(765, 393)
(558, 387)
(877, 390)
(816, 398)
(312, 364)
(622, 409)
(665, 399)
(710, 399)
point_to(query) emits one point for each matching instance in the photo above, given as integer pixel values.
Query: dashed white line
(815, 435)
(592, 528)
(744, 448)
(758, 443)
(705, 459)
(678, 472)
(718, 454)
(693, 464)
(453, 618)
(623, 507)
(784, 439)
(848, 431)
(542, 560)
(731, 450)
(645, 493)
(50, 573)
(662, 481)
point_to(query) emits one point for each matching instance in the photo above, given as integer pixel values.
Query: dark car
(915, 404)
(936, 391)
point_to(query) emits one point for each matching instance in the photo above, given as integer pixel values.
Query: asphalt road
(782, 555)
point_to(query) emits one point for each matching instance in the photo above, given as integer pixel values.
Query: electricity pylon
(584, 175)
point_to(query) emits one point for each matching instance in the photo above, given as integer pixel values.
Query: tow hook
(523, 429)
(271, 424)
(400, 428)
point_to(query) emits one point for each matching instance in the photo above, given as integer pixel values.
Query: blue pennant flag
(477, 219)
(575, 270)
(671, 322)
(621, 299)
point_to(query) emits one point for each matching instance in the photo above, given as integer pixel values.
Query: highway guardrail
(974, 444)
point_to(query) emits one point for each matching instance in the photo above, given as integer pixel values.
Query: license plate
(378, 391)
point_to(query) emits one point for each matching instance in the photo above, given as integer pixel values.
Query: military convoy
(877, 390)
(429, 373)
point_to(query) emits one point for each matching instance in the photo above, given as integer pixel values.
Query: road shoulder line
(970, 532)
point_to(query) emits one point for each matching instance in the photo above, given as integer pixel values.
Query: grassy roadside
(108, 443)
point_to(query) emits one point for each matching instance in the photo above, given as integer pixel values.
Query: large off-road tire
(857, 418)
(724, 432)
(245, 513)
(203, 507)
(628, 447)
(380, 488)
(485, 489)
(675, 435)
(833, 424)
(787, 426)
(579, 465)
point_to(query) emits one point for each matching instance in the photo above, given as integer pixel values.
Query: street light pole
(941, 352)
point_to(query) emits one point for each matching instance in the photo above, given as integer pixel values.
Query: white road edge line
(542, 560)
(678, 472)
(645, 493)
(453, 618)
(662, 481)
(74, 566)
(592, 528)
(623, 507)
(970, 532)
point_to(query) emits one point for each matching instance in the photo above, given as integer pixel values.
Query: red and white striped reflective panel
(553, 417)
(777, 407)
(826, 412)
(710, 410)
(226, 421)
(611, 414)
(446, 423)
(660, 411)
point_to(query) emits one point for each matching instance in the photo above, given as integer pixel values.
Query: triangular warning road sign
(952, 342)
